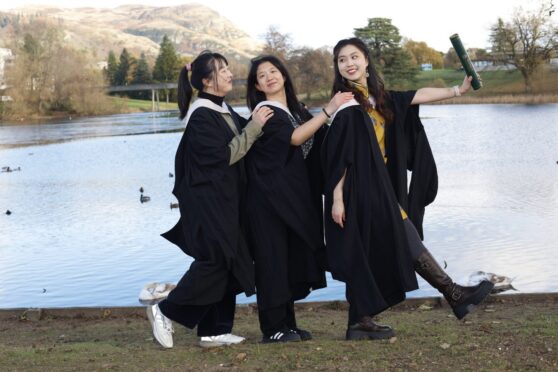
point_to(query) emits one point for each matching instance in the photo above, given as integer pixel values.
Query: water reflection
(79, 236)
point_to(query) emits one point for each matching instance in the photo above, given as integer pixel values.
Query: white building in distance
(6, 56)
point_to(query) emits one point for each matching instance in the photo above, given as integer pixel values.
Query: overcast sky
(315, 24)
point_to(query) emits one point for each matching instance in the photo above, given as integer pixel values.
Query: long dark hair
(374, 81)
(205, 66)
(254, 96)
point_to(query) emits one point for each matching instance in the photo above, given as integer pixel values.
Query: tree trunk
(527, 79)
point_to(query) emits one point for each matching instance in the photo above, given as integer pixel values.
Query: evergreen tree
(125, 68)
(112, 68)
(142, 75)
(167, 66)
(389, 57)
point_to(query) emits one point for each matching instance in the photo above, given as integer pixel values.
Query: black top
(213, 98)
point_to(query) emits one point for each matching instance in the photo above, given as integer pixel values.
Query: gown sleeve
(423, 186)
(402, 101)
(209, 150)
(337, 152)
(241, 143)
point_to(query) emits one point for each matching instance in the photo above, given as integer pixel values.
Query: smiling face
(352, 64)
(221, 83)
(269, 79)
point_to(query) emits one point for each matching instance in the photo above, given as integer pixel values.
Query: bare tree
(277, 43)
(312, 70)
(526, 41)
(421, 53)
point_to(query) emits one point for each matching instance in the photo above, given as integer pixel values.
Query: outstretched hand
(261, 115)
(338, 99)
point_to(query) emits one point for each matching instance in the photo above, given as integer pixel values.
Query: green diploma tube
(465, 61)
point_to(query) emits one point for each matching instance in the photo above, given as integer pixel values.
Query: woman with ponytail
(373, 221)
(210, 186)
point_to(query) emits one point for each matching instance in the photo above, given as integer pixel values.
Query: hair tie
(188, 66)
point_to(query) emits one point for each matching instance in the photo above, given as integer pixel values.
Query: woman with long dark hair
(284, 199)
(210, 186)
(373, 222)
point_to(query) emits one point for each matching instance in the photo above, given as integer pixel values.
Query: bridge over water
(155, 88)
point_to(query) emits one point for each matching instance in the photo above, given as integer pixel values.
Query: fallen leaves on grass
(241, 357)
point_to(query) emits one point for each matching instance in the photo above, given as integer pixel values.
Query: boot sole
(211, 344)
(356, 335)
(484, 290)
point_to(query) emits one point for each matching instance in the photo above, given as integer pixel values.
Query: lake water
(79, 236)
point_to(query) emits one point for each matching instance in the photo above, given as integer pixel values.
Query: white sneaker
(162, 326)
(221, 340)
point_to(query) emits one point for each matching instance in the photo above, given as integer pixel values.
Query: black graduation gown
(370, 254)
(278, 182)
(211, 195)
(407, 148)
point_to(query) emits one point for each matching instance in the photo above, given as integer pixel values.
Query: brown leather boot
(367, 329)
(461, 299)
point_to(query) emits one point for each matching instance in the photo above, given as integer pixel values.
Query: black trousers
(212, 320)
(280, 318)
(356, 301)
(284, 268)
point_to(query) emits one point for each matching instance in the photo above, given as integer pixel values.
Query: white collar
(204, 102)
(279, 105)
(352, 102)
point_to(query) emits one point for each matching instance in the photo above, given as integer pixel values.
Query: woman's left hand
(466, 86)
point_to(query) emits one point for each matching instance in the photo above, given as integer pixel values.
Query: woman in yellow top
(373, 221)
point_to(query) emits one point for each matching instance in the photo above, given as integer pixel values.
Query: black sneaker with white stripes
(281, 336)
(304, 335)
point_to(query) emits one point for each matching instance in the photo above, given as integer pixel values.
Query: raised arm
(426, 95)
(303, 132)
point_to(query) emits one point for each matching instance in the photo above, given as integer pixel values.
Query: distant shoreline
(527, 99)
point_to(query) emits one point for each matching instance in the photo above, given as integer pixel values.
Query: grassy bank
(506, 84)
(137, 105)
(115, 105)
(508, 333)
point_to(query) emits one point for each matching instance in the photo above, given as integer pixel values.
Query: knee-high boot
(461, 299)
